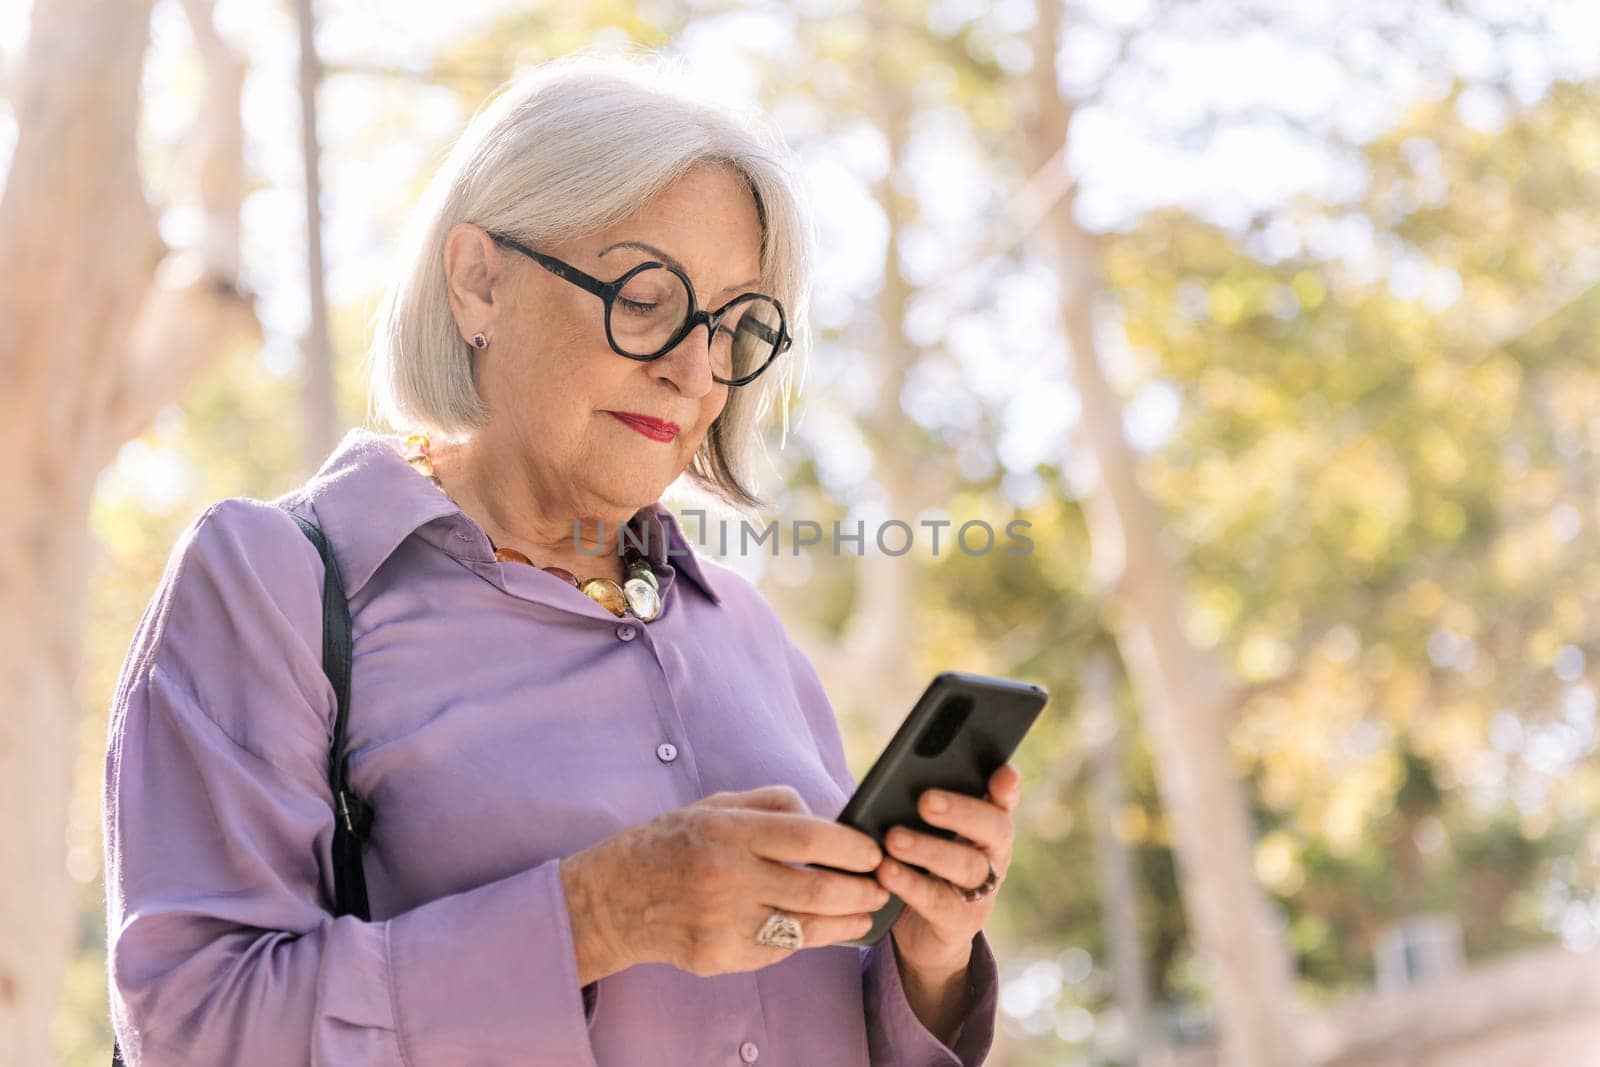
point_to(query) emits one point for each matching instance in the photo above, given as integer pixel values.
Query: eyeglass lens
(653, 304)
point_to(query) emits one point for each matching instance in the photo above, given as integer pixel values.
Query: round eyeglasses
(652, 307)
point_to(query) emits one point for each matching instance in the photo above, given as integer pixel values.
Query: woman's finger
(791, 837)
(956, 861)
(937, 901)
(815, 930)
(819, 892)
(1005, 787)
(761, 798)
(984, 824)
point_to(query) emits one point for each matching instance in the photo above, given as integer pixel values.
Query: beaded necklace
(639, 595)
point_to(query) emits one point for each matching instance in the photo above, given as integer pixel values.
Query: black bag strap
(352, 815)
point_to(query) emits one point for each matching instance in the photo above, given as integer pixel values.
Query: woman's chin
(630, 491)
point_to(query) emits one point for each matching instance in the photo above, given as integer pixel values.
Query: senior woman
(598, 776)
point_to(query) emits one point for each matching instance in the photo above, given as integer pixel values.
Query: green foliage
(1383, 496)
(1381, 484)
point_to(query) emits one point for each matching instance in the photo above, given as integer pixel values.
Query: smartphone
(962, 729)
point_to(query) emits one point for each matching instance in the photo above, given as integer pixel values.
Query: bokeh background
(1276, 321)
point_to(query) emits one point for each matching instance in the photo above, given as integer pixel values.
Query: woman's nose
(688, 365)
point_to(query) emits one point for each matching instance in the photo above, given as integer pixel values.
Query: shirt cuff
(491, 976)
(897, 1038)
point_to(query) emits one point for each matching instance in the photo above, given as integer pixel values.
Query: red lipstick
(655, 429)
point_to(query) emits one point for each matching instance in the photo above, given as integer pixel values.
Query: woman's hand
(692, 887)
(933, 936)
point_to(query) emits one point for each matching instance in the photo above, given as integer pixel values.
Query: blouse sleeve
(218, 830)
(895, 1036)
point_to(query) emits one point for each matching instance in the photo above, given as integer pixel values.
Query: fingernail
(937, 802)
(899, 838)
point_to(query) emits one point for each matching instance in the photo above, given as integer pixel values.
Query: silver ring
(781, 930)
(979, 892)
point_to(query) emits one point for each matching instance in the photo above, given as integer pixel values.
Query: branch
(194, 306)
(1533, 990)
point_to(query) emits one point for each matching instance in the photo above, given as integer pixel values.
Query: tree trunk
(1185, 694)
(102, 327)
(1114, 869)
(878, 641)
(872, 664)
(321, 417)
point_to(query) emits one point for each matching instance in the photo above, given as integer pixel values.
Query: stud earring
(480, 340)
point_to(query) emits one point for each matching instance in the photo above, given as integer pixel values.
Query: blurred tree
(1186, 695)
(1376, 489)
(103, 324)
(323, 427)
(1117, 879)
(1295, 354)
(1381, 479)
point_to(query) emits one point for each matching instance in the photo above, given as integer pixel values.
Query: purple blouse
(500, 719)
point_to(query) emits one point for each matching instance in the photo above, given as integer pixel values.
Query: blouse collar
(368, 500)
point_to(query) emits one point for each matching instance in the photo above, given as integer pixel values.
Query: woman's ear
(472, 267)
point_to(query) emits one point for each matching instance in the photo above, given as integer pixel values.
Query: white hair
(567, 149)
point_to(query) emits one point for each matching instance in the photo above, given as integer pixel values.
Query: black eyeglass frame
(608, 292)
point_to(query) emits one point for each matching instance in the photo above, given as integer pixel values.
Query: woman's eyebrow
(670, 260)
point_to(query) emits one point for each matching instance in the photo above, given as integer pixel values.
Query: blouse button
(667, 751)
(625, 632)
(748, 1052)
